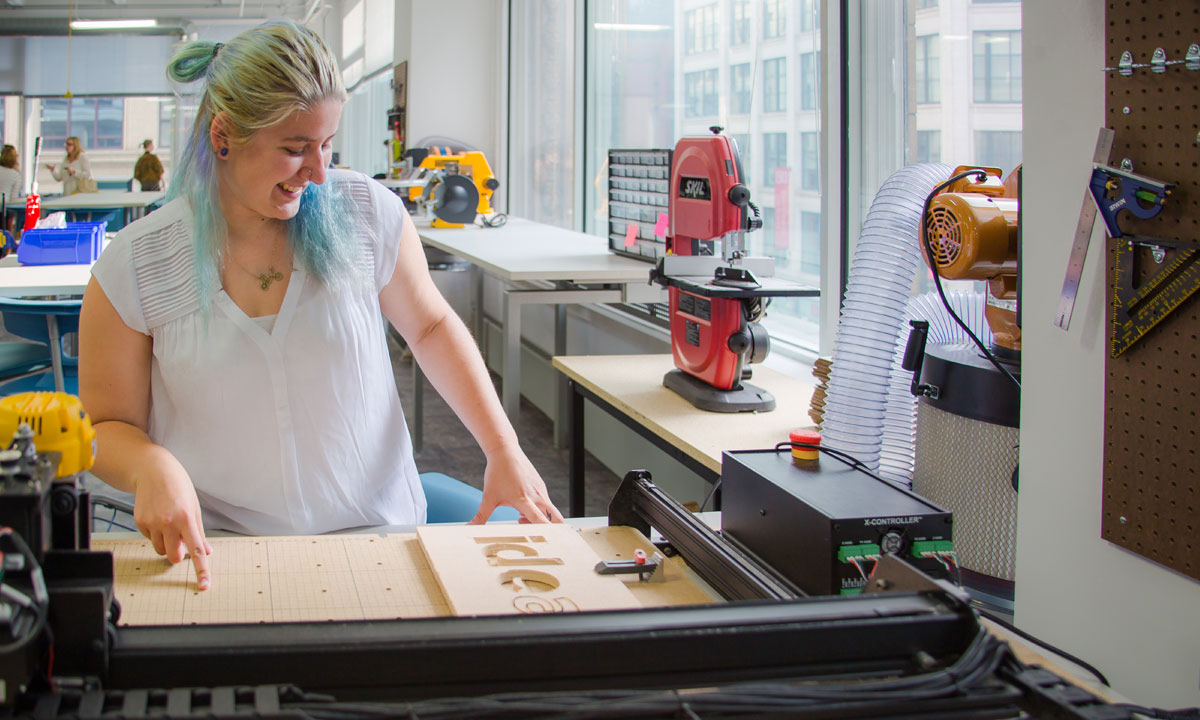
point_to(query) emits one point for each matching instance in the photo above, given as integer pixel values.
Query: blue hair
(259, 78)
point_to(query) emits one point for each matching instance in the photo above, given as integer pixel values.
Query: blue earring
(224, 152)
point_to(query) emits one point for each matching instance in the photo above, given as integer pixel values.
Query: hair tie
(217, 48)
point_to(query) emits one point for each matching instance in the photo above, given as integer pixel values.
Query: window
(700, 30)
(739, 89)
(928, 75)
(929, 146)
(774, 19)
(926, 4)
(774, 155)
(775, 85)
(810, 243)
(810, 162)
(97, 122)
(739, 25)
(166, 128)
(810, 15)
(997, 66)
(700, 91)
(998, 148)
(810, 64)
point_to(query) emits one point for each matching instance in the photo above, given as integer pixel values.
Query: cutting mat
(329, 577)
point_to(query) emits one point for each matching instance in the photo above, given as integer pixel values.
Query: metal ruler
(1083, 236)
(1135, 311)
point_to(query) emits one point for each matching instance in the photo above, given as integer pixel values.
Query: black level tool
(1136, 310)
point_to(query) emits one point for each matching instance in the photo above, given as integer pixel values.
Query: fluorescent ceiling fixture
(113, 24)
(631, 28)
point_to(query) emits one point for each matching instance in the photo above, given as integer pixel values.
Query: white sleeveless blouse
(295, 430)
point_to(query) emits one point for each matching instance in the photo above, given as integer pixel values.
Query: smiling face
(264, 177)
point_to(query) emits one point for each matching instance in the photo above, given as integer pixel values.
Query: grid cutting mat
(278, 579)
(330, 577)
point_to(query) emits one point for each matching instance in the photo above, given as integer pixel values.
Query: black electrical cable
(980, 176)
(1037, 641)
(41, 597)
(494, 220)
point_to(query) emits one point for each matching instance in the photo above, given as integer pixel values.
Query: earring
(224, 152)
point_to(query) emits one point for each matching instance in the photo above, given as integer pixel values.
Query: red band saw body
(704, 171)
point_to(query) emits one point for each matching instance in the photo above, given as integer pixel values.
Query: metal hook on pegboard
(1158, 61)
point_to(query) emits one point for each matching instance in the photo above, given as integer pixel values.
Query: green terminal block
(920, 547)
(846, 552)
(851, 591)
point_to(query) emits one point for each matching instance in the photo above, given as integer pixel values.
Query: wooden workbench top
(633, 385)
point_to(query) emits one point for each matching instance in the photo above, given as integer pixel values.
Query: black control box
(824, 523)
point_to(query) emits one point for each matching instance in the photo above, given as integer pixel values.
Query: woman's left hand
(70, 171)
(510, 479)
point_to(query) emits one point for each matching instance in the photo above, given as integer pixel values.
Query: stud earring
(224, 152)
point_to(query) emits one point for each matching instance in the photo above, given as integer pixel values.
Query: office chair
(45, 322)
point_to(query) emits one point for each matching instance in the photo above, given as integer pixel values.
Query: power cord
(494, 220)
(980, 176)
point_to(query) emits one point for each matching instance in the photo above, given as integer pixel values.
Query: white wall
(1137, 622)
(454, 72)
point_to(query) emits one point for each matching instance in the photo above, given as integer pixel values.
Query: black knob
(753, 222)
(739, 342)
(715, 129)
(739, 195)
(491, 183)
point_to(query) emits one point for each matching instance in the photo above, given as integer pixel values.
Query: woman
(10, 176)
(232, 356)
(75, 167)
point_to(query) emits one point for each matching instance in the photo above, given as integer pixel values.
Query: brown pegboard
(1152, 391)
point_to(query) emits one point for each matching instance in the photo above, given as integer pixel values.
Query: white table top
(523, 250)
(36, 280)
(85, 201)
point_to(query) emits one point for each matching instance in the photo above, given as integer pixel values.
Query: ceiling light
(112, 24)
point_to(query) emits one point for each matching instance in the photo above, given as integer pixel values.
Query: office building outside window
(739, 22)
(743, 146)
(809, 17)
(997, 66)
(810, 65)
(774, 155)
(99, 123)
(700, 30)
(810, 162)
(998, 148)
(929, 146)
(700, 90)
(928, 76)
(775, 85)
(739, 89)
(774, 19)
(926, 4)
(810, 243)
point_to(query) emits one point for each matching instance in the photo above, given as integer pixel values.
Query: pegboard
(1152, 390)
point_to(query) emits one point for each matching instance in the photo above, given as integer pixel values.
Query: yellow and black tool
(459, 187)
(57, 424)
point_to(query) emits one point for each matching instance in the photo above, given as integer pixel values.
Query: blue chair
(45, 322)
(449, 500)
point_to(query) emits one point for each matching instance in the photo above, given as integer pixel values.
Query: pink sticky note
(660, 227)
(631, 235)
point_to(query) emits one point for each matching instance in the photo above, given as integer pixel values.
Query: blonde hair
(255, 81)
(8, 157)
(78, 147)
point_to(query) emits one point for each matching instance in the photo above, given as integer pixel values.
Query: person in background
(11, 184)
(232, 357)
(148, 171)
(75, 167)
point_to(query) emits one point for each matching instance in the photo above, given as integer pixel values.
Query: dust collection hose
(873, 325)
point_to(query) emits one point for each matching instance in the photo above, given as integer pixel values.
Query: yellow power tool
(459, 187)
(58, 424)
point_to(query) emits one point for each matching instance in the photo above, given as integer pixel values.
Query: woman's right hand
(167, 512)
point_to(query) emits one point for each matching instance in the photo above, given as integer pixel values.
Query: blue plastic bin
(78, 243)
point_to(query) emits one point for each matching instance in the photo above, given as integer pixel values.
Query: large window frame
(89, 118)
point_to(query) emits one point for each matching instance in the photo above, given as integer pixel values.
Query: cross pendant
(270, 276)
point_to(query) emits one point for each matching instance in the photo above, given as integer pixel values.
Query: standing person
(148, 171)
(75, 167)
(11, 184)
(232, 356)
